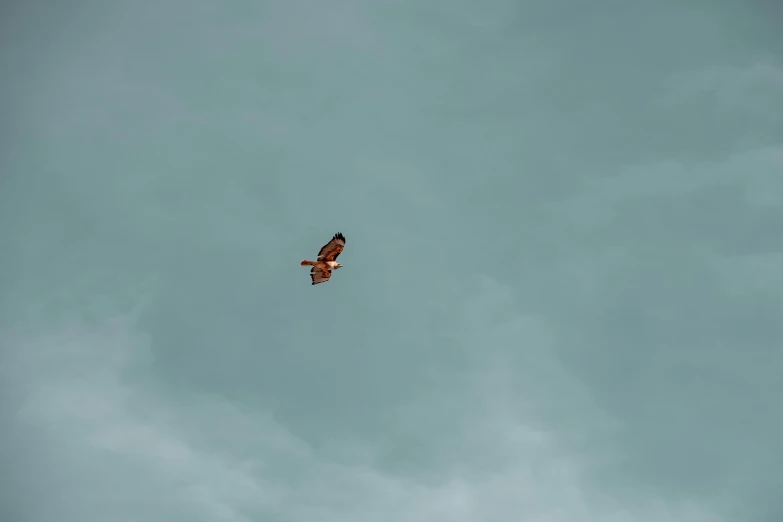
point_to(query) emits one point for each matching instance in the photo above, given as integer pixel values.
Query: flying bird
(322, 268)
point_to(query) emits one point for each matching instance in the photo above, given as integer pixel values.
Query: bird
(327, 256)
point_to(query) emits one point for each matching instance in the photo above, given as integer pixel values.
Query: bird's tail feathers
(307, 263)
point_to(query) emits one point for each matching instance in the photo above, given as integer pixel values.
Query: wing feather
(332, 249)
(318, 275)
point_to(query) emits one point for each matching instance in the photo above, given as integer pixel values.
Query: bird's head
(338, 265)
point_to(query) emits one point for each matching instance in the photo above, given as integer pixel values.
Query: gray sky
(562, 290)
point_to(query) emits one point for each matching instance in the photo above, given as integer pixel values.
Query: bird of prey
(322, 268)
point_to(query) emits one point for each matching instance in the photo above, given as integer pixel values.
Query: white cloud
(128, 449)
(731, 84)
(744, 100)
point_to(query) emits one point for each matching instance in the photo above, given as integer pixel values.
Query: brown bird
(322, 268)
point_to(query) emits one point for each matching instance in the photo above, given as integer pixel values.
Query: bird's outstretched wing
(332, 249)
(318, 275)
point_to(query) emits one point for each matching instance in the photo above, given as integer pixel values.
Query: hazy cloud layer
(108, 444)
(607, 347)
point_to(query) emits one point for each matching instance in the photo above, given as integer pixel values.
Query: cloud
(101, 440)
(741, 100)
(732, 85)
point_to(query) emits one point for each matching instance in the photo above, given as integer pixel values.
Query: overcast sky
(563, 282)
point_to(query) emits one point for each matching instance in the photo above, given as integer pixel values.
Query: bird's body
(322, 265)
(326, 262)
